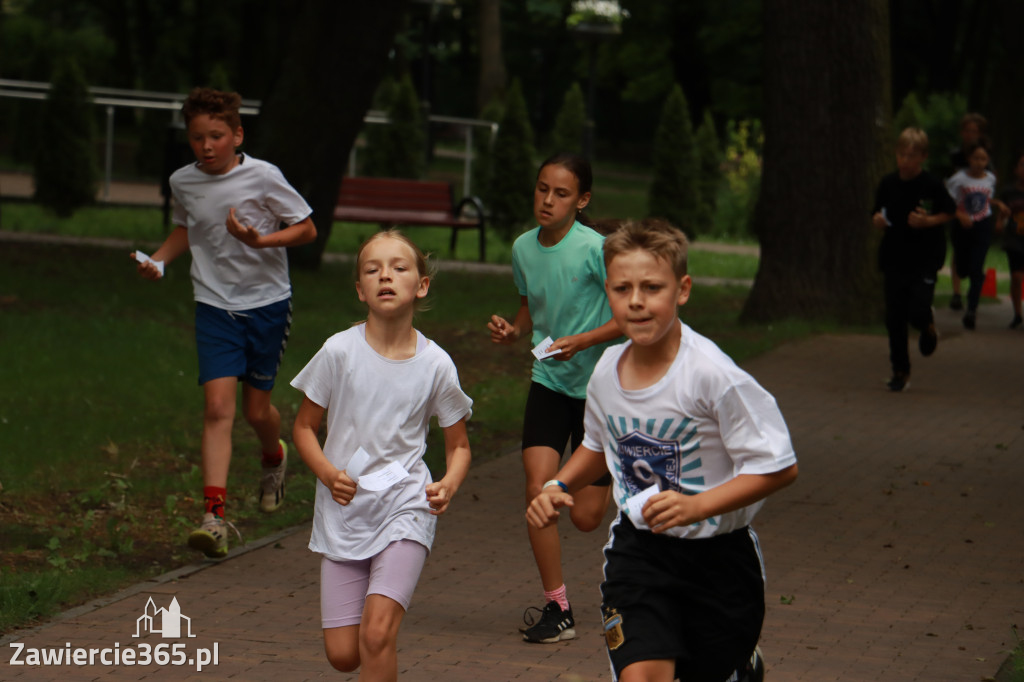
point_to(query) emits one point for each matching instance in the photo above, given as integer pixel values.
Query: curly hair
(215, 104)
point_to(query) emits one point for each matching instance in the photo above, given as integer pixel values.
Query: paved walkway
(895, 556)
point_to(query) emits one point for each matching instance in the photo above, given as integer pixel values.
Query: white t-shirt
(972, 194)
(226, 273)
(702, 424)
(383, 406)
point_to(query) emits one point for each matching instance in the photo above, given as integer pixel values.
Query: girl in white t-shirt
(973, 189)
(379, 383)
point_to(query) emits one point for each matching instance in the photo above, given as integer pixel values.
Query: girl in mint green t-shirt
(558, 268)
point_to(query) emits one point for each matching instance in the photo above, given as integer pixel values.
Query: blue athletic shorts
(247, 344)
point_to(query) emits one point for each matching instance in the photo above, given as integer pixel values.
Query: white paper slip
(143, 258)
(382, 479)
(885, 216)
(635, 505)
(357, 465)
(541, 350)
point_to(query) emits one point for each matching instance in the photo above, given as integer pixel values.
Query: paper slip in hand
(541, 351)
(382, 479)
(143, 258)
(885, 216)
(635, 505)
(357, 464)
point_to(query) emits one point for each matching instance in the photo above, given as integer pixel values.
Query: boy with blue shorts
(693, 445)
(228, 211)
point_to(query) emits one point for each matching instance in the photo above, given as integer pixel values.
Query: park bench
(393, 202)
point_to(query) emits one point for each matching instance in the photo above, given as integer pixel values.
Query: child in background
(1012, 197)
(911, 207)
(973, 189)
(559, 272)
(379, 384)
(972, 127)
(228, 210)
(673, 418)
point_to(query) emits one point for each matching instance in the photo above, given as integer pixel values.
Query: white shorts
(344, 585)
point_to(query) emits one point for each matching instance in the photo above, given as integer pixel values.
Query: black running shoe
(899, 381)
(955, 302)
(554, 625)
(928, 340)
(969, 319)
(1016, 322)
(753, 671)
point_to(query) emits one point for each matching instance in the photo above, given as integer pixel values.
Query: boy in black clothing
(911, 207)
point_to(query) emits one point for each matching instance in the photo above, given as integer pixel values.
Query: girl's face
(557, 198)
(978, 161)
(389, 280)
(213, 142)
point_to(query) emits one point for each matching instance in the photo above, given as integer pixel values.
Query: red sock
(214, 498)
(272, 459)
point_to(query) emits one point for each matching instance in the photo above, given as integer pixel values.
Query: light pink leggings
(344, 585)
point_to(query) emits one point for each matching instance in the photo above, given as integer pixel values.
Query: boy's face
(909, 161)
(969, 133)
(213, 142)
(644, 293)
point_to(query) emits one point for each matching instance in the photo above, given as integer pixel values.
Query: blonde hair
(914, 138)
(656, 236)
(424, 265)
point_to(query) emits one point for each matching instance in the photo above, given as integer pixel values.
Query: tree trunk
(337, 55)
(1005, 106)
(827, 143)
(493, 77)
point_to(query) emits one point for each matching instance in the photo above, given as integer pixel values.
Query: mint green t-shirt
(564, 287)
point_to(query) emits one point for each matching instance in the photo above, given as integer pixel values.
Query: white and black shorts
(699, 602)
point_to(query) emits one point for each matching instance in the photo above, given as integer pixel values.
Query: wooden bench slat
(394, 201)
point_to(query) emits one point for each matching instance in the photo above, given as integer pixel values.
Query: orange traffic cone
(989, 287)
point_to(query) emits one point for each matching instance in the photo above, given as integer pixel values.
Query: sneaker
(955, 302)
(899, 381)
(554, 625)
(211, 537)
(969, 319)
(1016, 322)
(754, 670)
(272, 483)
(928, 340)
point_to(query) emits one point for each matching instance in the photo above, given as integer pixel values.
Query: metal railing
(114, 98)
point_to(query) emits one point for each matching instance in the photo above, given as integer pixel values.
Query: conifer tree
(396, 149)
(568, 133)
(710, 157)
(675, 194)
(65, 167)
(510, 190)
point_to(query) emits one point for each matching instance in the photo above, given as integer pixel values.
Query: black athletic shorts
(1016, 260)
(553, 419)
(700, 602)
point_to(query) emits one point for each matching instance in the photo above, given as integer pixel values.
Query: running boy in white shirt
(683, 594)
(228, 211)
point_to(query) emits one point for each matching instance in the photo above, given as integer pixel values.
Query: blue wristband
(555, 481)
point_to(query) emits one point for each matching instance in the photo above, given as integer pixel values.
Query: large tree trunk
(1005, 106)
(493, 77)
(337, 54)
(827, 143)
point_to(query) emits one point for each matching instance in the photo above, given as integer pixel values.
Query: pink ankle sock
(558, 596)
